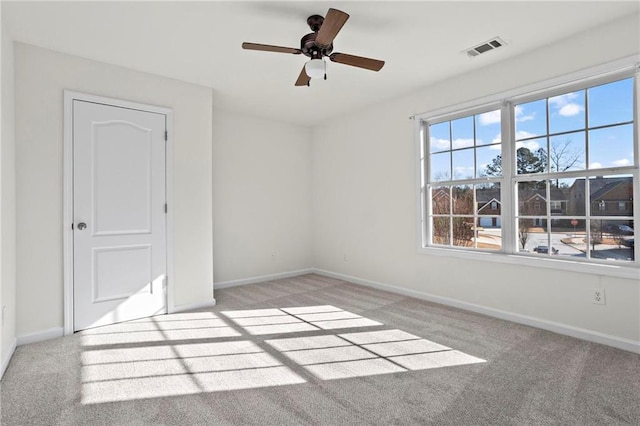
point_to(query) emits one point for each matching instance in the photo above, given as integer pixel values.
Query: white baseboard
(193, 306)
(262, 278)
(40, 336)
(7, 358)
(568, 330)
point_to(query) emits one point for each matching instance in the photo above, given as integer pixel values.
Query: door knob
(82, 226)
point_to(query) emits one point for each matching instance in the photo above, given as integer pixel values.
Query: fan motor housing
(309, 47)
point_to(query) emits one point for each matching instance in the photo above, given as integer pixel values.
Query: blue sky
(603, 105)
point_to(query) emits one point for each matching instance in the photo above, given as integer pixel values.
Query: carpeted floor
(315, 350)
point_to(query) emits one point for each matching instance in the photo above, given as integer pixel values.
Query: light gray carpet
(315, 350)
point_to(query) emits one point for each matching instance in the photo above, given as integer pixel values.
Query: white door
(119, 230)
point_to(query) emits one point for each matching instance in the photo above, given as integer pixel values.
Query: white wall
(41, 77)
(7, 207)
(261, 197)
(364, 200)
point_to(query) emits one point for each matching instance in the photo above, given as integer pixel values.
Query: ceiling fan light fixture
(315, 68)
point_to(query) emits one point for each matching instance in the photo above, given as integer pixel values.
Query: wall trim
(579, 333)
(261, 278)
(40, 336)
(193, 306)
(7, 358)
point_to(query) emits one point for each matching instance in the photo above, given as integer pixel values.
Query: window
(465, 172)
(565, 186)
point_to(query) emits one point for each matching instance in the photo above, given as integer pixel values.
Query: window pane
(489, 161)
(463, 164)
(440, 200)
(611, 240)
(489, 233)
(568, 239)
(440, 227)
(463, 231)
(567, 152)
(488, 199)
(577, 198)
(488, 128)
(611, 103)
(567, 112)
(439, 137)
(532, 198)
(532, 234)
(611, 147)
(462, 197)
(531, 156)
(524, 226)
(462, 132)
(440, 167)
(611, 196)
(531, 119)
(559, 191)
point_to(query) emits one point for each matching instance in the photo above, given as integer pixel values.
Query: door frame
(67, 194)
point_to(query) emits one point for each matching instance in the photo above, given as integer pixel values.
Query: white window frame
(624, 68)
(457, 182)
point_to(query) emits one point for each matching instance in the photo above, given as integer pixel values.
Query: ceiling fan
(318, 45)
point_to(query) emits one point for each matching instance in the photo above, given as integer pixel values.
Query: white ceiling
(199, 42)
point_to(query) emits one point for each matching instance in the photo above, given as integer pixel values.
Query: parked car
(545, 249)
(618, 229)
(625, 230)
(629, 242)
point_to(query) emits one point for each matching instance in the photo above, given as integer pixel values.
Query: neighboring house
(609, 197)
(489, 207)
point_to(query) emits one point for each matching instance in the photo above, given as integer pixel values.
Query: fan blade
(303, 78)
(357, 61)
(332, 24)
(269, 48)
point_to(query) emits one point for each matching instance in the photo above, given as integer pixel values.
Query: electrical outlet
(598, 296)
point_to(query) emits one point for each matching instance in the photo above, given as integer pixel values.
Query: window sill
(619, 271)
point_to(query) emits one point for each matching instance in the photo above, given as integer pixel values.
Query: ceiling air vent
(487, 46)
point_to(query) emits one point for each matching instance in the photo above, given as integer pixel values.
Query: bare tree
(563, 156)
(595, 233)
(524, 226)
(445, 227)
(463, 227)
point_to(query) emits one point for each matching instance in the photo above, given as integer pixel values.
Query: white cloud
(462, 143)
(563, 100)
(440, 144)
(530, 145)
(463, 172)
(520, 117)
(569, 110)
(622, 162)
(565, 106)
(491, 117)
(523, 134)
(595, 166)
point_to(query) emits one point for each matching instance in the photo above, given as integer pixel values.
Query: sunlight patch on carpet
(190, 353)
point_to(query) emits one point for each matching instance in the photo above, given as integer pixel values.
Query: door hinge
(166, 135)
(166, 208)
